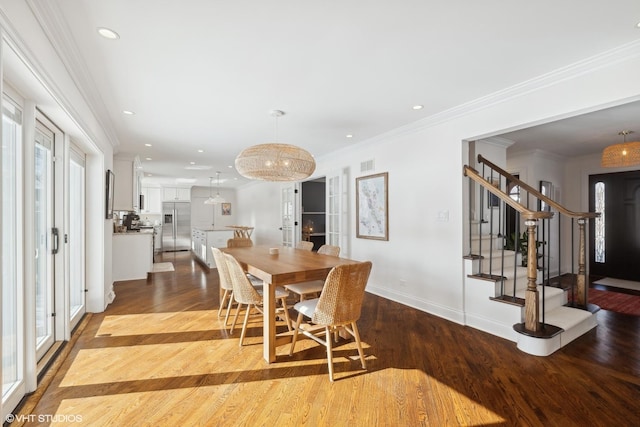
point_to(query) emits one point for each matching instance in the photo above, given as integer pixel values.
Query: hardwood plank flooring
(159, 356)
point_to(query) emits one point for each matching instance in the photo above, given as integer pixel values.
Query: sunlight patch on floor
(158, 323)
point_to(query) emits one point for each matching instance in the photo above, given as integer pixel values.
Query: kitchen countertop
(133, 233)
(211, 229)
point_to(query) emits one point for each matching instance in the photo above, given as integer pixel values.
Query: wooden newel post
(531, 301)
(583, 289)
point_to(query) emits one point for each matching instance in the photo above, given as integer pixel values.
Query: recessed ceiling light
(349, 136)
(108, 33)
(192, 163)
(128, 112)
(148, 145)
(147, 158)
(638, 25)
(149, 174)
(201, 151)
(418, 107)
(230, 166)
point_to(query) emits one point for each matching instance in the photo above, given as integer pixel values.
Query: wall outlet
(443, 216)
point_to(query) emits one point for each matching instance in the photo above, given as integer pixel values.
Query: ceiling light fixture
(418, 107)
(108, 33)
(218, 198)
(128, 112)
(621, 155)
(275, 161)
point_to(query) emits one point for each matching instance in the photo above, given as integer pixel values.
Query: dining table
(279, 266)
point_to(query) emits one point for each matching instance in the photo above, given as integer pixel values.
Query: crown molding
(13, 39)
(498, 141)
(607, 59)
(51, 20)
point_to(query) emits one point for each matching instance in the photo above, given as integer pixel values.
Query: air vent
(367, 166)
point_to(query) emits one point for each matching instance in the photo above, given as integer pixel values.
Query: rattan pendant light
(621, 155)
(275, 161)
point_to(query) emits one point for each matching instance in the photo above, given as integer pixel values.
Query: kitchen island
(202, 239)
(132, 255)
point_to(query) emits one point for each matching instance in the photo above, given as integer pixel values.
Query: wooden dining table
(289, 265)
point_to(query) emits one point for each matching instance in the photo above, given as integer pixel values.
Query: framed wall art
(493, 201)
(110, 184)
(226, 208)
(372, 207)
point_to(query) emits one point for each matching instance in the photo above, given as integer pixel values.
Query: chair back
(303, 244)
(223, 269)
(243, 291)
(329, 250)
(239, 242)
(341, 298)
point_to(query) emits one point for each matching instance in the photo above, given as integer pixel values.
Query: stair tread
(566, 317)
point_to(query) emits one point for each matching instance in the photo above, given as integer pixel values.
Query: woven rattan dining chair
(338, 307)
(313, 287)
(245, 294)
(225, 282)
(304, 245)
(239, 242)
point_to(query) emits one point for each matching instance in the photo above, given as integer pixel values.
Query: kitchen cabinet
(176, 194)
(202, 240)
(128, 179)
(132, 255)
(123, 188)
(152, 200)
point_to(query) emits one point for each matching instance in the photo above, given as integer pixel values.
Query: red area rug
(615, 301)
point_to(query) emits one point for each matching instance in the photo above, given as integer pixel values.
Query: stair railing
(581, 296)
(532, 321)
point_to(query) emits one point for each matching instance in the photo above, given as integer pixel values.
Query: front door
(615, 236)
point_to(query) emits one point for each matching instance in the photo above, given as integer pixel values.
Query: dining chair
(225, 282)
(312, 287)
(337, 308)
(304, 245)
(245, 294)
(239, 242)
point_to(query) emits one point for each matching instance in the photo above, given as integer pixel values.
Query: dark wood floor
(160, 356)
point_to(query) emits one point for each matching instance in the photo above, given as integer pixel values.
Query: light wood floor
(159, 356)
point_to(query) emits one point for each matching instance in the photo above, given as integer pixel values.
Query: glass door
(46, 239)
(76, 246)
(289, 202)
(337, 207)
(13, 386)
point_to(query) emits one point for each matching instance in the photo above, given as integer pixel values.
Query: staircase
(492, 306)
(515, 300)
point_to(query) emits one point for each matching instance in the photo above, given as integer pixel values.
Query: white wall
(425, 177)
(33, 67)
(206, 216)
(258, 205)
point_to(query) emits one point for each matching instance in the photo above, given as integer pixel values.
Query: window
(600, 222)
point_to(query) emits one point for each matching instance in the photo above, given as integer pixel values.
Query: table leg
(269, 328)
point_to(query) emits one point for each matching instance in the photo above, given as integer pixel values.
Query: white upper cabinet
(152, 200)
(123, 194)
(176, 194)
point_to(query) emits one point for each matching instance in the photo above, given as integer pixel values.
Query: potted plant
(523, 245)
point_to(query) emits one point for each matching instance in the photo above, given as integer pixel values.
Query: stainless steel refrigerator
(176, 226)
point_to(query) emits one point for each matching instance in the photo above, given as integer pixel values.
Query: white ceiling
(204, 74)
